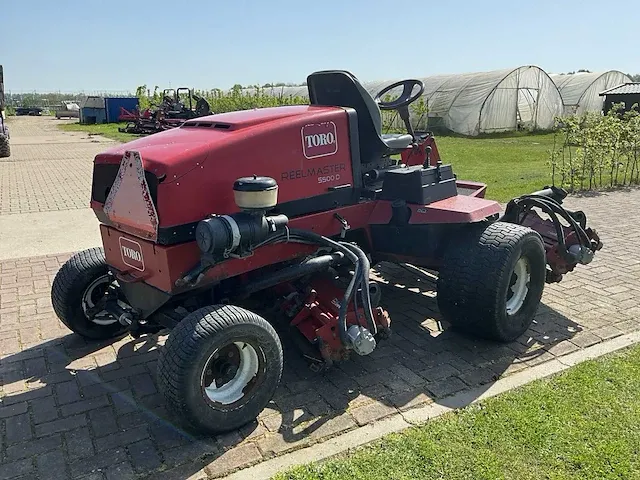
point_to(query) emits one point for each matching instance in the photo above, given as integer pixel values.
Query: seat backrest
(340, 88)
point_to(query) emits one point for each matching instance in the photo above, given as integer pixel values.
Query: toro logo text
(319, 139)
(131, 253)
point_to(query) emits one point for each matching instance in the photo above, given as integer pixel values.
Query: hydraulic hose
(359, 273)
(365, 295)
(553, 209)
(553, 204)
(360, 277)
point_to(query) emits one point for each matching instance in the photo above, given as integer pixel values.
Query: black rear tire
(479, 280)
(192, 355)
(5, 148)
(69, 289)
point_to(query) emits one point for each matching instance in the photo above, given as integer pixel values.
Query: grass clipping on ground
(582, 424)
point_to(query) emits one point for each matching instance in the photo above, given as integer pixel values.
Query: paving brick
(607, 332)
(26, 395)
(122, 372)
(15, 409)
(101, 461)
(371, 412)
(329, 426)
(479, 376)
(33, 447)
(44, 409)
(121, 471)
(183, 472)
(167, 436)
(52, 465)
(585, 339)
(102, 388)
(277, 443)
(18, 428)
(234, 459)
(446, 387)
(79, 443)
(16, 469)
(562, 348)
(134, 419)
(189, 453)
(67, 392)
(62, 425)
(409, 399)
(103, 421)
(144, 456)
(84, 406)
(143, 385)
(122, 438)
(438, 372)
(124, 402)
(92, 476)
(35, 367)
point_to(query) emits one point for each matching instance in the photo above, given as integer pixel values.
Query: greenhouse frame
(581, 91)
(473, 103)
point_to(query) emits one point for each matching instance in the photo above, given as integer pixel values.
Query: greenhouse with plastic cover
(473, 103)
(581, 91)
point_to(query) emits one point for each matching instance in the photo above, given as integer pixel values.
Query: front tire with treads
(5, 147)
(83, 280)
(220, 367)
(492, 279)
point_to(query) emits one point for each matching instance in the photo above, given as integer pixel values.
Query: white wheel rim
(520, 279)
(233, 390)
(103, 317)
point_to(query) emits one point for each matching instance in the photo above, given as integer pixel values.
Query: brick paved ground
(76, 410)
(48, 169)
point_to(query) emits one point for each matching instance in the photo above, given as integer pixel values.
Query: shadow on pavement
(113, 385)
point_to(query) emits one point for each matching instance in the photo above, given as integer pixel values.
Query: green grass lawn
(109, 130)
(582, 424)
(510, 164)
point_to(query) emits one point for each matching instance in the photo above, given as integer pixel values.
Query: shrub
(593, 151)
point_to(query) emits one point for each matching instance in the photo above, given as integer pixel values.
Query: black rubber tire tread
(474, 279)
(5, 147)
(68, 288)
(184, 354)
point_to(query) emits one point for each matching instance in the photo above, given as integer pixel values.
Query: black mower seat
(341, 88)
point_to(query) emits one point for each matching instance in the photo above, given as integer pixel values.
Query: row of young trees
(594, 151)
(238, 98)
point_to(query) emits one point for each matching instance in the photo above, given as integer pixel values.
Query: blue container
(113, 104)
(90, 115)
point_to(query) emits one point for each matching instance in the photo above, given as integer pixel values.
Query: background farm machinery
(175, 107)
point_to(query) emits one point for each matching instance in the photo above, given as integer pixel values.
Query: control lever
(427, 157)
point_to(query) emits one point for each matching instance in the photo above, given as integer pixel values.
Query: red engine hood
(177, 151)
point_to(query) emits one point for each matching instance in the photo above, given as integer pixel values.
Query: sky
(115, 45)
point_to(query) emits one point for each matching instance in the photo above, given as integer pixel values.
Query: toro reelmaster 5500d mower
(291, 206)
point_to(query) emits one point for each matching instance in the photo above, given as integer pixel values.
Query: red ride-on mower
(288, 207)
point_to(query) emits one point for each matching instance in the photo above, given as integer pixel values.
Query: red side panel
(160, 266)
(458, 209)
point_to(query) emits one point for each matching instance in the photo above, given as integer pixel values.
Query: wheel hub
(518, 286)
(230, 372)
(94, 297)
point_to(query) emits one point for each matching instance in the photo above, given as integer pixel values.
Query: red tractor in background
(289, 207)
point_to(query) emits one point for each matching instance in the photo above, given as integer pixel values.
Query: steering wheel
(405, 98)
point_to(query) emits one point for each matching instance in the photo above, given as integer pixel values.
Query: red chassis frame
(165, 265)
